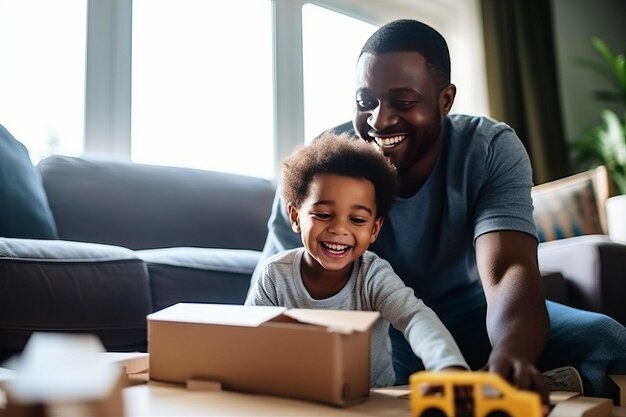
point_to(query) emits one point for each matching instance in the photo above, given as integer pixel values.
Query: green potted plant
(605, 143)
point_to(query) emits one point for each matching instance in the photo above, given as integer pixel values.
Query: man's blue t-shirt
(481, 183)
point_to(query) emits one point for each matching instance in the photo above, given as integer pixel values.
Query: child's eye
(321, 216)
(358, 220)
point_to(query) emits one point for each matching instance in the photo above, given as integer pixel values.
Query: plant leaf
(614, 137)
(620, 74)
(605, 52)
(596, 67)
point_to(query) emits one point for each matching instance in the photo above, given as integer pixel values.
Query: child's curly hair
(343, 155)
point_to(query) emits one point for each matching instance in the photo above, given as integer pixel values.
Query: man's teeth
(336, 247)
(394, 140)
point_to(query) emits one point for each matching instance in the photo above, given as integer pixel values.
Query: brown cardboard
(620, 380)
(558, 396)
(573, 405)
(200, 385)
(265, 350)
(583, 407)
(130, 362)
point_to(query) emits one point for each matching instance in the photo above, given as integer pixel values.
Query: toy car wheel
(433, 412)
(498, 413)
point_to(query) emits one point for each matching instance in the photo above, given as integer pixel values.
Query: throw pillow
(24, 209)
(567, 207)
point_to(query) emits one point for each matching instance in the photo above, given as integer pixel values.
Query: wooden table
(158, 399)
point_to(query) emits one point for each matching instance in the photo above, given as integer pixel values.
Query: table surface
(150, 398)
(159, 399)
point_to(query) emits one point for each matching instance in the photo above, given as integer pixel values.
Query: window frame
(108, 66)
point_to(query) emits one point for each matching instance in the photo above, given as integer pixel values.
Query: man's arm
(517, 319)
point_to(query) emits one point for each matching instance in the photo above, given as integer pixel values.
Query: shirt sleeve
(263, 292)
(429, 338)
(505, 201)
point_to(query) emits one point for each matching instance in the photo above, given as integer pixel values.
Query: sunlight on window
(331, 46)
(42, 74)
(202, 85)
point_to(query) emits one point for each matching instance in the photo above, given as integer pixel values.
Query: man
(461, 232)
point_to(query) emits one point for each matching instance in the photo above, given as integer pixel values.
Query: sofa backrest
(139, 206)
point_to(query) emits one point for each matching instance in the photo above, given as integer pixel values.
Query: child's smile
(337, 221)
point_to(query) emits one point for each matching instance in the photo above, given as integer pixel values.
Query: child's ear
(293, 218)
(378, 223)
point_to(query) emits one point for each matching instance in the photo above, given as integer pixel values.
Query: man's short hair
(411, 35)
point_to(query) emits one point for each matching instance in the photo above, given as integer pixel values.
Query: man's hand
(522, 374)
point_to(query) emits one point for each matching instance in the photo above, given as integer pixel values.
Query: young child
(337, 192)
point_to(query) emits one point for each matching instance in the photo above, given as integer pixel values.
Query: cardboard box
(62, 375)
(315, 355)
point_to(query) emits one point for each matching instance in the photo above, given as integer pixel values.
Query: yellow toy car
(471, 394)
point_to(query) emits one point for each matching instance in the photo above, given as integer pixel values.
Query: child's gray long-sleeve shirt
(373, 286)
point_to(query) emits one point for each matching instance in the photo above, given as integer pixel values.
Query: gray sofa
(137, 238)
(133, 239)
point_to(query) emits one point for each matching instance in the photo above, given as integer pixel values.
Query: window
(331, 45)
(42, 75)
(228, 85)
(202, 88)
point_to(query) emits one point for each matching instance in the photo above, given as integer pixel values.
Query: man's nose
(382, 117)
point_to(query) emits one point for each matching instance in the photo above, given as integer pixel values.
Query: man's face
(400, 107)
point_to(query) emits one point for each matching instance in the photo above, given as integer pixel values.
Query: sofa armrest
(75, 287)
(593, 267)
(555, 287)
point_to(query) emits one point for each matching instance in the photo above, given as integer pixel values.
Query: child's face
(337, 220)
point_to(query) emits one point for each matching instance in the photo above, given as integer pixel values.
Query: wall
(575, 22)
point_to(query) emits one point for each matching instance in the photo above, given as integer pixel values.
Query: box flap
(225, 314)
(132, 362)
(341, 321)
(620, 380)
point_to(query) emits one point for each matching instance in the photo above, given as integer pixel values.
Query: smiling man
(461, 232)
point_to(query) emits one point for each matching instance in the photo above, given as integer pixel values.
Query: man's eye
(366, 104)
(404, 104)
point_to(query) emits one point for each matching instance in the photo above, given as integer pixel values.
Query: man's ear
(446, 99)
(293, 218)
(378, 223)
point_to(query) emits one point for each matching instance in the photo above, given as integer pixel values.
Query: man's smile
(390, 141)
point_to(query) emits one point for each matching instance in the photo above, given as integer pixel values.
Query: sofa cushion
(199, 275)
(24, 209)
(147, 207)
(53, 285)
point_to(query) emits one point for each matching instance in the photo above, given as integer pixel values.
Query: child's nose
(339, 227)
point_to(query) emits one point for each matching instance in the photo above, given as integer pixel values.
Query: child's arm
(429, 338)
